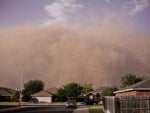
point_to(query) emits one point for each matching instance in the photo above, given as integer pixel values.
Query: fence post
(148, 104)
(117, 105)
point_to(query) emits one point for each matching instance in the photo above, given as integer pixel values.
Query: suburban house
(46, 95)
(139, 89)
(5, 94)
(91, 98)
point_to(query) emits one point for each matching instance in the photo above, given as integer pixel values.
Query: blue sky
(18, 12)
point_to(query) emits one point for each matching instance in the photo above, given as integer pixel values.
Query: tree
(71, 90)
(86, 88)
(61, 94)
(31, 87)
(15, 96)
(109, 91)
(130, 78)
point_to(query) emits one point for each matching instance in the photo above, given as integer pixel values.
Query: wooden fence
(127, 105)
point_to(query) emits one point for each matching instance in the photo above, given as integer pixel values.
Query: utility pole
(20, 100)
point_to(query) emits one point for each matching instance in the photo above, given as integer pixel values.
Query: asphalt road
(41, 109)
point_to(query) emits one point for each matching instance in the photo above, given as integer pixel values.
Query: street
(43, 109)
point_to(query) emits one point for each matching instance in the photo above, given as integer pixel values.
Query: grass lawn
(95, 109)
(57, 103)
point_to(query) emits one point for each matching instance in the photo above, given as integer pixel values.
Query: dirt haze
(60, 54)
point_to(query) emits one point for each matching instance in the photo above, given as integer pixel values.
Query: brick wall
(134, 93)
(142, 93)
(129, 93)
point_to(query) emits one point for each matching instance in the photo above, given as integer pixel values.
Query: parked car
(71, 104)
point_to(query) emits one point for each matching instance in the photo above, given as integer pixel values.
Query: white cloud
(60, 11)
(139, 5)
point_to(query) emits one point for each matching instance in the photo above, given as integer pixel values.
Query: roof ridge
(139, 83)
(48, 92)
(135, 86)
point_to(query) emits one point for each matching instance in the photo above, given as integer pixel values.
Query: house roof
(4, 92)
(46, 93)
(140, 86)
(52, 90)
(98, 90)
(42, 94)
(90, 93)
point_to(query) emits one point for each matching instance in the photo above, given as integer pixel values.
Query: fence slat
(127, 104)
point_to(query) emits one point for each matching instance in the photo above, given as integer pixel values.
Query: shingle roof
(42, 94)
(46, 93)
(143, 85)
(4, 92)
(90, 93)
(7, 89)
(52, 90)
